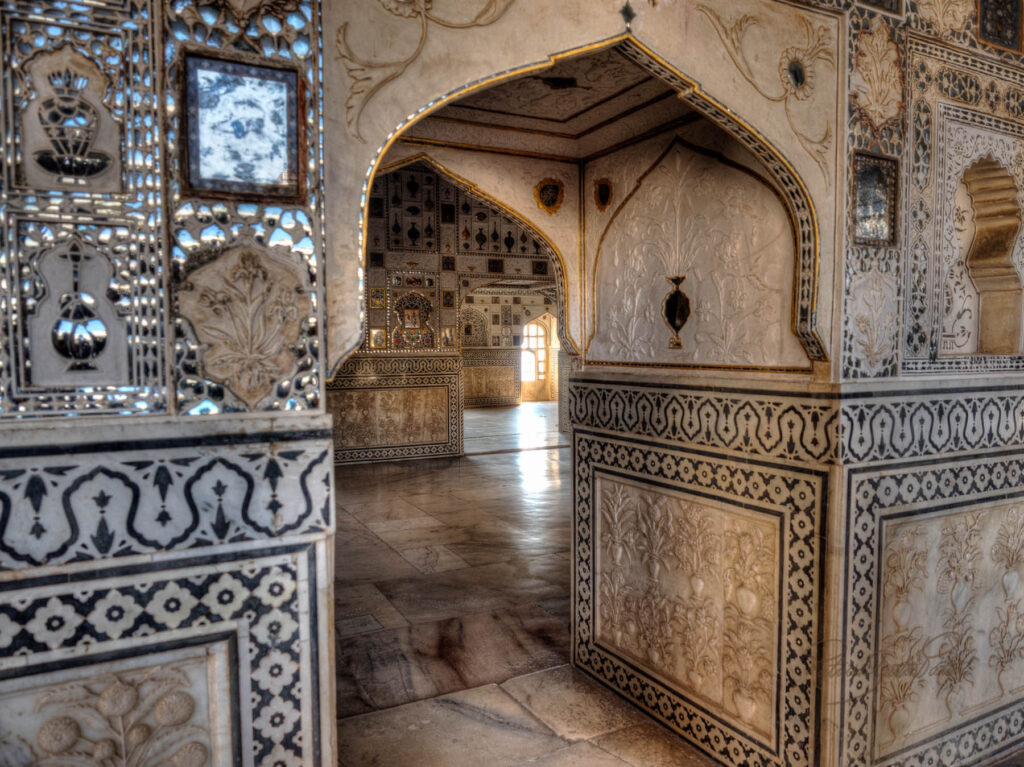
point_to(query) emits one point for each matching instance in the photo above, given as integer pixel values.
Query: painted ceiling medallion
(549, 194)
(676, 310)
(247, 307)
(877, 80)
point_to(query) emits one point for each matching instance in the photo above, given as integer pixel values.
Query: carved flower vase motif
(247, 308)
(676, 310)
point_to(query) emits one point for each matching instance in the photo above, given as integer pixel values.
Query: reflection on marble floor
(529, 426)
(552, 718)
(452, 623)
(450, 574)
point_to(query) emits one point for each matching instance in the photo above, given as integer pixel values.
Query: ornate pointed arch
(784, 177)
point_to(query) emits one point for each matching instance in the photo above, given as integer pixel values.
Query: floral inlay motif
(247, 307)
(799, 68)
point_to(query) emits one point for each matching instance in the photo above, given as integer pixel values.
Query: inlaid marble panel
(492, 377)
(696, 592)
(388, 407)
(179, 704)
(394, 416)
(930, 667)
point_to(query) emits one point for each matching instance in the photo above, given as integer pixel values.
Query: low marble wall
(709, 520)
(492, 377)
(166, 587)
(698, 575)
(389, 407)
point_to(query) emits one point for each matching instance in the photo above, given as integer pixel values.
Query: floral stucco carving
(877, 79)
(951, 641)
(947, 16)
(723, 228)
(369, 75)
(692, 593)
(247, 308)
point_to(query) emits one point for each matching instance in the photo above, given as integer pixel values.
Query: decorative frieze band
(854, 427)
(83, 502)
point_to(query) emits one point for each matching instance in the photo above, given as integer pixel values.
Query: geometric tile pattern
(265, 602)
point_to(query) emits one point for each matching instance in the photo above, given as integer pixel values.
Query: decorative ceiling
(576, 108)
(564, 92)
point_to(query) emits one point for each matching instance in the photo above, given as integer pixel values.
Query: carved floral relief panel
(716, 223)
(247, 307)
(690, 591)
(168, 709)
(951, 621)
(393, 417)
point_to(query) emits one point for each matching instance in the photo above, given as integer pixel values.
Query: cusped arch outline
(989, 258)
(790, 186)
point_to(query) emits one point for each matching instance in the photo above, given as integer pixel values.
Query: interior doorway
(560, 154)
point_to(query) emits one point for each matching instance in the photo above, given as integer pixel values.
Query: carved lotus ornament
(247, 308)
(877, 81)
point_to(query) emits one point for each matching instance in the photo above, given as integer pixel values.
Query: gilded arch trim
(790, 186)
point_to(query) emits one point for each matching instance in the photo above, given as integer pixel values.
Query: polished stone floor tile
(577, 755)
(388, 668)
(571, 704)
(483, 727)
(651, 745)
(358, 609)
(529, 426)
(433, 559)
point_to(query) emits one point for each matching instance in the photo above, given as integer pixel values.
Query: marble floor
(552, 718)
(452, 581)
(450, 574)
(532, 425)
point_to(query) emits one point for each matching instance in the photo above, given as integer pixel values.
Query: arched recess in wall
(989, 258)
(467, 186)
(700, 214)
(783, 176)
